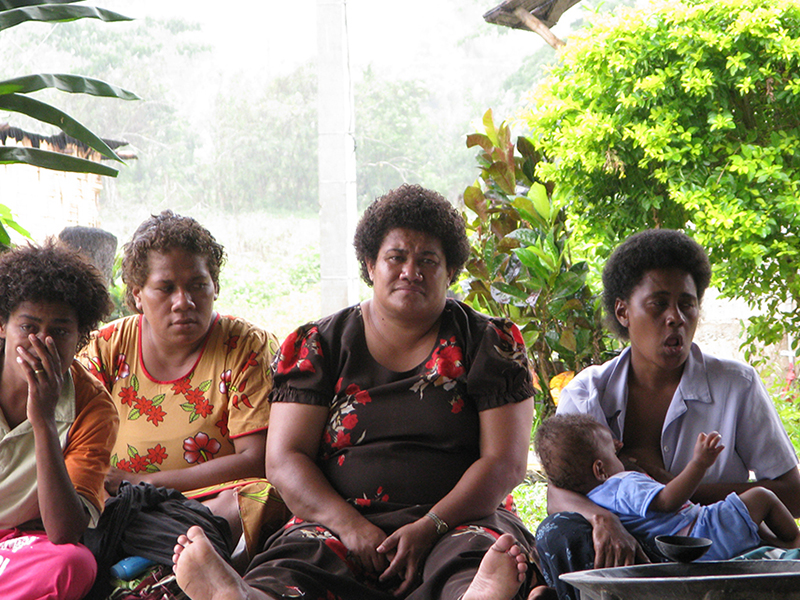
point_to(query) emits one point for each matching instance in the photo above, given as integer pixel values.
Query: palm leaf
(56, 13)
(49, 114)
(7, 220)
(11, 4)
(52, 160)
(74, 84)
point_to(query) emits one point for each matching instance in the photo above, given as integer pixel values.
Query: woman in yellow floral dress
(190, 385)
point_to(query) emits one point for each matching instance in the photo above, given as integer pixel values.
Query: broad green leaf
(49, 114)
(9, 4)
(568, 341)
(55, 13)
(74, 84)
(488, 124)
(503, 176)
(501, 297)
(510, 290)
(525, 236)
(52, 160)
(7, 220)
(479, 139)
(476, 201)
(567, 284)
(527, 149)
(528, 212)
(538, 196)
(528, 256)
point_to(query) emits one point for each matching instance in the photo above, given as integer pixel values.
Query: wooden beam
(537, 26)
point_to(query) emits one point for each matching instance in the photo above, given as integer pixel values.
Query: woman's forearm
(64, 516)
(561, 500)
(479, 492)
(309, 495)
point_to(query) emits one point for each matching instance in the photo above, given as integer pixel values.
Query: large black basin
(713, 580)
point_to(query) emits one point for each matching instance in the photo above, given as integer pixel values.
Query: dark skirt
(308, 560)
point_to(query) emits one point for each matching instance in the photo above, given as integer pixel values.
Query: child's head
(53, 273)
(577, 452)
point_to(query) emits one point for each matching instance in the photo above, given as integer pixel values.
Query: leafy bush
(522, 265)
(686, 114)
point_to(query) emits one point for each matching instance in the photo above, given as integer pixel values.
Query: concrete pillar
(337, 161)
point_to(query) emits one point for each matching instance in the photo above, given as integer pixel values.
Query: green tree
(399, 138)
(686, 114)
(161, 59)
(265, 145)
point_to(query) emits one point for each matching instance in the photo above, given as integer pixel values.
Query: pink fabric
(32, 568)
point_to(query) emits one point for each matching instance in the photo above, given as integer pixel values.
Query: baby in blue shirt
(580, 454)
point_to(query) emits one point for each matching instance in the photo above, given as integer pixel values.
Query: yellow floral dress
(167, 425)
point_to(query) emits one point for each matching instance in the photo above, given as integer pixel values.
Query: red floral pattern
(444, 368)
(159, 417)
(295, 351)
(200, 448)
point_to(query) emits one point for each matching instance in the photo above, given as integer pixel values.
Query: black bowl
(682, 548)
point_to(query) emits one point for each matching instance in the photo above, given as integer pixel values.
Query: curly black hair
(567, 448)
(645, 251)
(162, 233)
(53, 272)
(411, 207)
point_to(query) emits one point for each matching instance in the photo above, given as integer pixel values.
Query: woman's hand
(613, 545)
(362, 544)
(44, 373)
(407, 548)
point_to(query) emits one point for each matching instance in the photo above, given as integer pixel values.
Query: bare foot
(501, 572)
(202, 573)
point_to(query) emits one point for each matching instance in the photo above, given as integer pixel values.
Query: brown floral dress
(394, 445)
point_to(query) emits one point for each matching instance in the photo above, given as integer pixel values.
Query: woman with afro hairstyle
(57, 423)
(657, 397)
(398, 428)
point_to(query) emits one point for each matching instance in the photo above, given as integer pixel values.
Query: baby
(579, 454)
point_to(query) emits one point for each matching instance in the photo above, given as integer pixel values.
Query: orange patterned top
(167, 425)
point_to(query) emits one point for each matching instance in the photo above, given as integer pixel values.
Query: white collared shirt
(714, 394)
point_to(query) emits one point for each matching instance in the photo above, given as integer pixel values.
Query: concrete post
(337, 162)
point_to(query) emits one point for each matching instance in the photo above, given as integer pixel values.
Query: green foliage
(399, 139)
(7, 221)
(530, 499)
(265, 150)
(12, 98)
(521, 265)
(686, 114)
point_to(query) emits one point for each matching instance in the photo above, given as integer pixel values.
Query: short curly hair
(53, 272)
(567, 448)
(412, 207)
(162, 233)
(645, 251)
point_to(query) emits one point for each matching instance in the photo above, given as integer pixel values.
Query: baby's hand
(707, 448)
